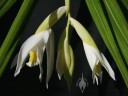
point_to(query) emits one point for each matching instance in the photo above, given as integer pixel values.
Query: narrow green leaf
(106, 34)
(125, 2)
(2, 2)
(119, 25)
(5, 6)
(7, 58)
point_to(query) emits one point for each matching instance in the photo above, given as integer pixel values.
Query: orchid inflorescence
(43, 38)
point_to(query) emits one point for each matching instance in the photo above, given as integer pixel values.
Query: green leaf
(2, 2)
(125, 2)
(5, 5)
(106, 34)
(6, 60)
(119, 25)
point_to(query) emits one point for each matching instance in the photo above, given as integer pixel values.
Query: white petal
(94, 78)
(91, 55)
(40, 54)
(50, 56)
(108, 67)
(19, 64)
(30, 43)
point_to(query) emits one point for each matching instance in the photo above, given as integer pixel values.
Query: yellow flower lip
(97, 69)
(33, 57)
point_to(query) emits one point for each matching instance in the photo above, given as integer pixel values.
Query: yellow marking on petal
(33, 57)
(97, 69)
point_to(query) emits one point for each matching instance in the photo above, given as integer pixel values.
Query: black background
(27, 82)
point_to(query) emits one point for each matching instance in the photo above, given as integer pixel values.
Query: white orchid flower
(94, 57)
(34, 47)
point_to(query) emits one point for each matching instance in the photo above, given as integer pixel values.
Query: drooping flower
(94, 56)
(34, 47)
(95, 60)
(65, 60)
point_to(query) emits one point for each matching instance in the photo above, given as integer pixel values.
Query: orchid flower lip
(96, 59)
(32, 59)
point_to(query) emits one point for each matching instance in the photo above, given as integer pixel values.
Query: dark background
(27, 82)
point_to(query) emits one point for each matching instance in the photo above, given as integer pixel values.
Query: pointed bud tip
(47, 85)
(15, 74)
(40, 77)
(59, 77)
(114, 78)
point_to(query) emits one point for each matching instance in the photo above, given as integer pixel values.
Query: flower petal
(40, 54)
(30, 43)
(91, 55)
(30, 64)
(94, 78)
(108, 67)
(50, 56)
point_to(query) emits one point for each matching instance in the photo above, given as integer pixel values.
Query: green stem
(67, 4)
(68, 25)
